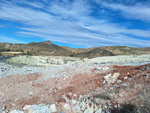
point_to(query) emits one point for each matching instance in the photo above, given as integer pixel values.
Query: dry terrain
(73, 88)
(47, 48)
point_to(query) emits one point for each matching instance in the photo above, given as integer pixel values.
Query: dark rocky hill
(95, 53)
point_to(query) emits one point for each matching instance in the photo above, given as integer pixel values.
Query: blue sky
(76, 23)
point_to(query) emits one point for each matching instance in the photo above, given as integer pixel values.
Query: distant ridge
(47, 48)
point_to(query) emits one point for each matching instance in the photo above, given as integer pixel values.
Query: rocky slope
(81, 86)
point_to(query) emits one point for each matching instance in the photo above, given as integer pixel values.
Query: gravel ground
(86, 64)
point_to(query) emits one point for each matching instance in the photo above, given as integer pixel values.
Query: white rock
(41, 108)
(124, 85)
(74, 102)
(107, 76)
(88, 110)
(30, 93)
(118, 81)
(105, 68)
(76, 109)
(99, 110)
(125, 78)
(16, 111)
(111, 79)
(121, 95)
(53, 108)
(66, 106)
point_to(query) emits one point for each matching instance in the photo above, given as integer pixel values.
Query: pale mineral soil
(28, 85)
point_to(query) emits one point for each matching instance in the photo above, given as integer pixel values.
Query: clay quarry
(57, 84)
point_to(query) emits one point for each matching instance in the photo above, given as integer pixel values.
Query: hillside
(47, 48)
(94, 53)
(125, 50)
(41, 48)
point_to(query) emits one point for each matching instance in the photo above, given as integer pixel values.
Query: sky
(76, 23)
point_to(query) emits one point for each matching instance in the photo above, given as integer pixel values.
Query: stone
(16, 111)
(105, 68)
(118, 81)
(66, 98)
(76, 109)
(66, 106)
(1, 111)
(53, 108)
(107, 76)
(83, 107)
(30, 93)
(100, 110)
(120, 95)
(125, 78)
(88, 110)
(111, 79)
(41, 108)
(95, 107)
(124, 85)
(74, 102)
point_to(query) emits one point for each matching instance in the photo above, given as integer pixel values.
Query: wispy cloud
(73, 23)
(137, 11)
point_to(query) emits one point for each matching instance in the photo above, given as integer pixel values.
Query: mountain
(125, 50)
(97, 52)
(47, 48)
(41, 48)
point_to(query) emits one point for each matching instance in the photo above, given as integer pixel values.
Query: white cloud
(71, 23)
(138, 11)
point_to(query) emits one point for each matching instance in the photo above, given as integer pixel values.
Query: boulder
(41, 108)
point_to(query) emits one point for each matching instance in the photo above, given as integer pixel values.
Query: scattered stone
(111, 79)
(125, 78)
(124, 85)
(120, 95)
(88, 110)
(100, 110)
(118, 81)
(76, 109)
(53, 108)
(41, 108)
(30, 93)
(74, 102)
(16, 111)
(66, 106)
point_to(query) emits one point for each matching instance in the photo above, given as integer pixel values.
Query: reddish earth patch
(18, 90)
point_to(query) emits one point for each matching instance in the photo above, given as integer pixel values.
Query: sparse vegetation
(102, 96)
